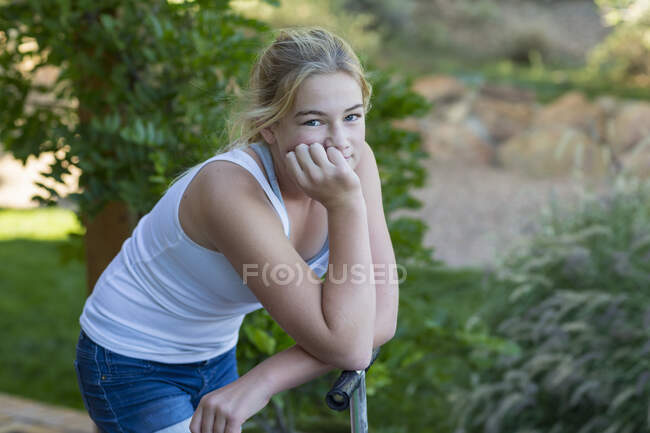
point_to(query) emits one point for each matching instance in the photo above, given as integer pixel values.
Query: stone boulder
(552, 152)
(446, 141)
(411, 124)
(503, 112)
(508, 93)
(573, 110)
(629, 127)
(608, 105)
(439, 88)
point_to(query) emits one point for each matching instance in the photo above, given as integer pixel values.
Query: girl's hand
(225, 410)
(324, 175)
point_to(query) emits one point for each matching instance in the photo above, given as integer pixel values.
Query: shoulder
(222, 195)
(220, 180)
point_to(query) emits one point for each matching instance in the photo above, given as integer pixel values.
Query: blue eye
(310, 122)
(356, 117)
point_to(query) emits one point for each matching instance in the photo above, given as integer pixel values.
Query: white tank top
(164, 297)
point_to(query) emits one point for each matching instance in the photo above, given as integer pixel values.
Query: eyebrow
(320, 113)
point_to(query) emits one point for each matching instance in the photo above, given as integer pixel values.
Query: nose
(336, 137)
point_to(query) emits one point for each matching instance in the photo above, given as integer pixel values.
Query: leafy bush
(578, 310)
(624, 56)
(141, 91)
(399, 154)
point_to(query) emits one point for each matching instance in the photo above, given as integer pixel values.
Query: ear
(268, 135)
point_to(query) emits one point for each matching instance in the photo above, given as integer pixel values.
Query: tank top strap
(267, 161)
(244, 160)
(265, 155)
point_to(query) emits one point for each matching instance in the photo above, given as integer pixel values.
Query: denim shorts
(124, 394)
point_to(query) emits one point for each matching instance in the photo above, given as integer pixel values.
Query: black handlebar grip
(338, 397)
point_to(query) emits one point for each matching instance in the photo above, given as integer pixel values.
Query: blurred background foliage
(553, 339)
(578, 308)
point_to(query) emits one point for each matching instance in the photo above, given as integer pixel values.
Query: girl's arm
(334, 320)
(243, 398)
(383, 256)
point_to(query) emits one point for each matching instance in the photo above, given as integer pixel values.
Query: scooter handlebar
(338, 397)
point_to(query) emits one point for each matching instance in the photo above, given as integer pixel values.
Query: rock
(507, 93)
(503, 118)
(629, 127)
(439, 88)
(608, 104)
(554, 152)
(637, 161)
(454, 112)
(456, 142)
(573, 110)
(409, 124)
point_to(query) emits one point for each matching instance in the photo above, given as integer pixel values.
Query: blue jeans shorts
(124, 394)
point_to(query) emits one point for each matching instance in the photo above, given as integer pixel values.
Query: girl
(297, 196)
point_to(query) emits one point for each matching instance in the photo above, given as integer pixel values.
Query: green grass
(40, 305)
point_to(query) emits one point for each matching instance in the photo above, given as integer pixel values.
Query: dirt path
(475, 213)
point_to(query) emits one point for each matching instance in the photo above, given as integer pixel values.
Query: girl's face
(328, 109)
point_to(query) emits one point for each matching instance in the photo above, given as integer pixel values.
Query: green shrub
(624, 56)
(141, 93)
(578, 310)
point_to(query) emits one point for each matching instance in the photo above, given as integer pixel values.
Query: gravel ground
(476, 213)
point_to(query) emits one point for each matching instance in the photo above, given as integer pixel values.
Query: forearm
(386, 316)
(348, 295)
(387, 301)
(288, 369)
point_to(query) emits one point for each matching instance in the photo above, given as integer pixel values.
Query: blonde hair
(280, 69)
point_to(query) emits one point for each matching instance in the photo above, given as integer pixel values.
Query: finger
(233, 428)
(336, 157)
(208, 421)
(309, 167)
(195, 424)
(319, 155)
(303, 156)
(220, 424)
(295, 169)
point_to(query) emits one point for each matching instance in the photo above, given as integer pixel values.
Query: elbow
(351, 357)
(358, 360)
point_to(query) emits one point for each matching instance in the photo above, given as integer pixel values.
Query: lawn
(40, 305)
